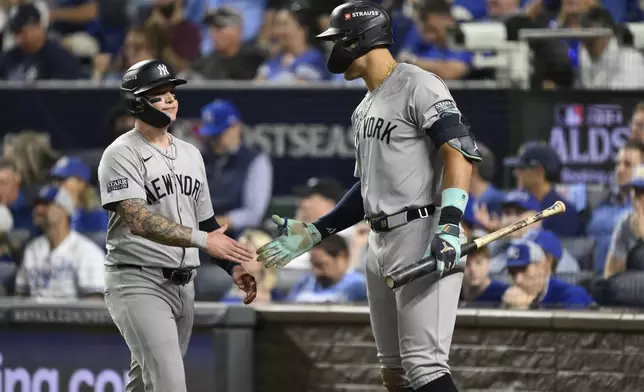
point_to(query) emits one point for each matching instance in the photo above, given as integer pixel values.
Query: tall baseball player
(155, 189)
(414, 158)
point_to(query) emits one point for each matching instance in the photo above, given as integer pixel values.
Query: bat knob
(389, 281)
(560, 206)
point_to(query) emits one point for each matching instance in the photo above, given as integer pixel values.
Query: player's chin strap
(395, 380)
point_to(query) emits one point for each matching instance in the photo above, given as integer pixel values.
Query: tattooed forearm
(154, 227)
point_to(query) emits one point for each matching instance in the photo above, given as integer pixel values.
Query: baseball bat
(427, 265)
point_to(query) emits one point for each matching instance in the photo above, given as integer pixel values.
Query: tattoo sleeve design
(154, 227)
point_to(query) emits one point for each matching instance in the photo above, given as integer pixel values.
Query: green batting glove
(295, 239)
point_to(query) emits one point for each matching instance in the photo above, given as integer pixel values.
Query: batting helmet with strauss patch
(356, 27)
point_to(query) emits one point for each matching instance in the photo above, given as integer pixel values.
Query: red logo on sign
(347, 16)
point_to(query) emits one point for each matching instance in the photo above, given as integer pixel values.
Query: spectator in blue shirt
(330, 280)
(298, 60)
(240, 178)
(479, 289)
(533, 286)
(434, 55)
(35, 57)
(604, 218)
(89, 219)
(485, 198)
(536, 169)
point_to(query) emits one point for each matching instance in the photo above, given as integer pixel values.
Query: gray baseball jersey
(396, 161)
(174, 185)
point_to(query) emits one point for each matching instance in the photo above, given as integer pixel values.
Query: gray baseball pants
(413, 325)
(155, 318)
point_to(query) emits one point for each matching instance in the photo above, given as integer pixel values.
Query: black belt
(176, 276)
(390, 222)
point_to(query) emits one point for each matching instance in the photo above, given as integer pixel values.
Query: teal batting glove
(295, 239)
(446, 244)
(446, 247)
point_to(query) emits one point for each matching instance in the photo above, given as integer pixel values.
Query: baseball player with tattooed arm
(160, 214)
(414, 157)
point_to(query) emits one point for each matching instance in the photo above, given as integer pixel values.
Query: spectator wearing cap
(73, 175)
(603, 63)
(61, 263)
(479, 288)
(331, 280)
(432, 53)
(240, 178)
(626, 251)
(533, 286)
(232, 58)
(517, 206)
(605, 217)
(298, 59)
(35, 57)
(536, 169)
(483, 195)
(560, 259)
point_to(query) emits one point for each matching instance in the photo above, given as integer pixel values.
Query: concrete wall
(313, 349)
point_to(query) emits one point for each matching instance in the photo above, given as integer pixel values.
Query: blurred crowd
(273, 40)
(52, 228)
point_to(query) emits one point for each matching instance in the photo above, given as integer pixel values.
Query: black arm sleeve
(210, 225)
(348, 212)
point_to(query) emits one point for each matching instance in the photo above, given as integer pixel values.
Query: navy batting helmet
(356, 27)
(139, 80)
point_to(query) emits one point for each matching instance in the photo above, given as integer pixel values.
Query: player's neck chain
(366, 106)
(169, 153)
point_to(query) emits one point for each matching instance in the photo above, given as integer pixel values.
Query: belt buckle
(181, 277)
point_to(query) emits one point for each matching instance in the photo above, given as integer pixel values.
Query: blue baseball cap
(535, 153)
(53, 194)
(637, 180)
(216, 117)
(548, 241)
(69, 166)
(523, 253)
(521, 199)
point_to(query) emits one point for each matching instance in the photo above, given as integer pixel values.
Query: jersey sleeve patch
(445, 105)
(117, 185)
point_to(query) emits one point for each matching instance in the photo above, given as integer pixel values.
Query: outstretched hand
(220, 246)
(295, 238)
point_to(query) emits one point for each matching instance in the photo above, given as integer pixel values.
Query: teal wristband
(454, 197)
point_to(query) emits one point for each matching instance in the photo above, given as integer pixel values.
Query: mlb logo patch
(347, 16)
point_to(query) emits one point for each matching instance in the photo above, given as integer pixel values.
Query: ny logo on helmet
(163, 70)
